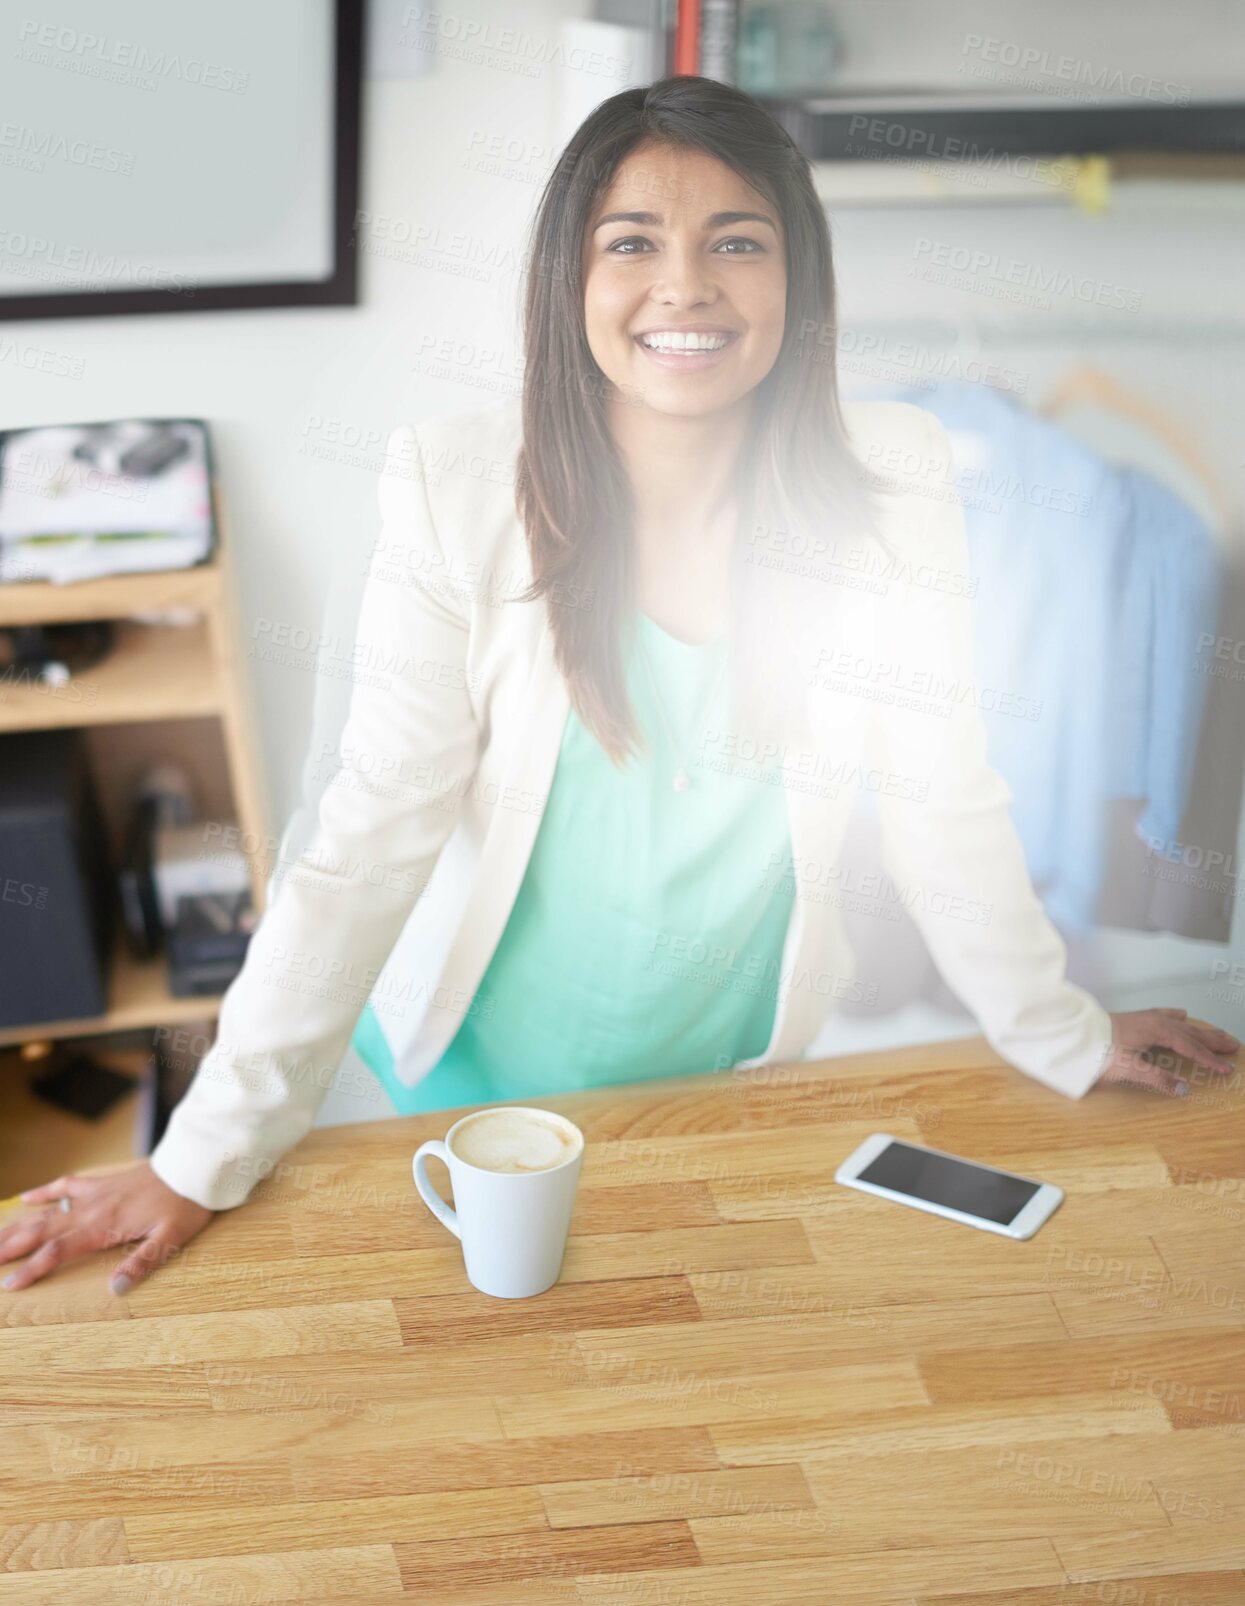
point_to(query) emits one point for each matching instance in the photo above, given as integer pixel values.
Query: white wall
(285, 390)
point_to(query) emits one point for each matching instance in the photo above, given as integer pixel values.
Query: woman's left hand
(1146, 1043)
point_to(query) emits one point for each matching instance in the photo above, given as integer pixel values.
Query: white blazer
(448, 752)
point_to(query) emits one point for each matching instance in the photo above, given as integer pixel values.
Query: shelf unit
(165, 689)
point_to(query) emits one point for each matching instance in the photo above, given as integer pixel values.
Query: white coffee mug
(513, 1225)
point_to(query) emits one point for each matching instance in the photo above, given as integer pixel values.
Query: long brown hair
(796, 472)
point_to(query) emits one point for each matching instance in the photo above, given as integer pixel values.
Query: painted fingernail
(121, 1285)
(9, 1280)
(1181, 1089)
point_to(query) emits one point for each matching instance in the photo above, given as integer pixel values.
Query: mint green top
(646, 938)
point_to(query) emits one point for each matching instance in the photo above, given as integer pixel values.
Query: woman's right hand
(120, 1208)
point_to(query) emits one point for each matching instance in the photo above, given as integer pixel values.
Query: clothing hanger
(1091, 386)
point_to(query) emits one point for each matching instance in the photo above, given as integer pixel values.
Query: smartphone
(945, 1185)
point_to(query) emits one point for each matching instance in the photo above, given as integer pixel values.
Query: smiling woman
(629, 759)
(689, 314)
(688, 211)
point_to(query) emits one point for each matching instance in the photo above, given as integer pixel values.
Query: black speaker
(57, 903)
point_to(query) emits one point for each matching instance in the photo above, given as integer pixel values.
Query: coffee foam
(514, 1141)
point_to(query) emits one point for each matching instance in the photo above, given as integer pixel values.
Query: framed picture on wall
(165, 158)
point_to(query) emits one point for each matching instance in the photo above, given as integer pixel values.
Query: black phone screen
(958, 1184)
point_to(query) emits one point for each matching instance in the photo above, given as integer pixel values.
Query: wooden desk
(750, 1386)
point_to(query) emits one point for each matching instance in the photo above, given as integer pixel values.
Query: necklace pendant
(681, 781)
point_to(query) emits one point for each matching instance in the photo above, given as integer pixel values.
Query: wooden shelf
(116, 596)
(153, 672)
(138, 997)
(145, 696)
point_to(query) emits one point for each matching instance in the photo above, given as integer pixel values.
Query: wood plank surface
(750, 1385)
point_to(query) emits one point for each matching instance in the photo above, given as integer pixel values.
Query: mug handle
(434, 1149)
